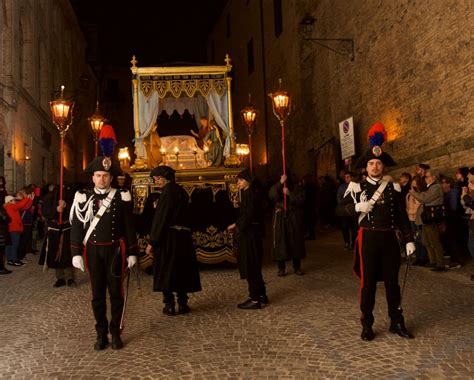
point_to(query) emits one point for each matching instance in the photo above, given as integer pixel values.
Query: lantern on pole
(249, 117)
(97, 121)
(281, 102)
(61, 111)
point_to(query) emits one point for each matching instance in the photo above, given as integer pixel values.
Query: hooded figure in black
(56, 250)
(175, 267)
(288, 225)
(249, 228)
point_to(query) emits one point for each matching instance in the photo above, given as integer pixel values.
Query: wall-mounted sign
(346, 136)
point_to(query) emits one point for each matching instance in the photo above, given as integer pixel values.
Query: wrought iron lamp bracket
(347, 43)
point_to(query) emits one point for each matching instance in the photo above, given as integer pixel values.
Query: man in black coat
(288, 225)
(249, 227)
(103, 236)
(56, 249)
(381, 213)
(175, 266)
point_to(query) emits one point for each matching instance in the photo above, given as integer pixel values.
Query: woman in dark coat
(249, 227)
(56, 250)
(4, 238)
(288, 226)
(175, 266)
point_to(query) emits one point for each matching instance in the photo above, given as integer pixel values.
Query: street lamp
(249, 117)
(97, 122)
(61, 111)
(281, 102)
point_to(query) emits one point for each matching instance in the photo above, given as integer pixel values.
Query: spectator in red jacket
(13, 206)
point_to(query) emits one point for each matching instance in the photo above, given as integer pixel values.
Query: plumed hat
(102, 164)
(245, 174)
(376, 137)
(163, 171)
(107, 140)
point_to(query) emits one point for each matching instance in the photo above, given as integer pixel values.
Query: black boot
(59, 282)
(400, 329)
(101, 343)
(367, 333)
(117, 343)
(264, 300)
(281, 268)
(250, 305)
(183, 307)
(169, 309)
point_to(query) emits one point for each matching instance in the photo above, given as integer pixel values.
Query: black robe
(250, 233)
(288, 227)
(56, 249)
(175, 265)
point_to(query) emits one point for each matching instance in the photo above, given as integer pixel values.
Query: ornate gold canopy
(182, 81)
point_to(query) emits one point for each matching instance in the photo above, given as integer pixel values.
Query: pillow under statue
(182, 152)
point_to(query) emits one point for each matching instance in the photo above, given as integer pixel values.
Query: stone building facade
(412, 70)
(42, 48)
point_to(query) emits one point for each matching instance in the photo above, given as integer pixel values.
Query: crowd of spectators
(451, 236)
(21, 225)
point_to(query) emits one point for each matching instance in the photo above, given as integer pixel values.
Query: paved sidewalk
(309, 330)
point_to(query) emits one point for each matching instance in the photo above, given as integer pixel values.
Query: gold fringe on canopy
(179, 87)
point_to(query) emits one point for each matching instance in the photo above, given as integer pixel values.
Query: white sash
(374, 198)
(105, 205)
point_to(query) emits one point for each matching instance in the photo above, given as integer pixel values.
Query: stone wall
(412, 70)
(42, 48)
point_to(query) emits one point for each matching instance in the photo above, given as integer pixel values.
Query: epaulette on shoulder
(125, 195)
(353, 187)
(80, 196)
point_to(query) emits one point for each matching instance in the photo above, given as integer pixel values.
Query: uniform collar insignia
(101, 191)
(373, 181)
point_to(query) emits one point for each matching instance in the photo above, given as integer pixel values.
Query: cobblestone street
(310, 329)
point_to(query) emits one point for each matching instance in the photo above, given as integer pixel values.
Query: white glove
(364, 207)
(411, 248)
(132, 261)
(78, 262)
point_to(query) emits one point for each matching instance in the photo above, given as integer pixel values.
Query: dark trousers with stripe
(105, 265)
(380, 260)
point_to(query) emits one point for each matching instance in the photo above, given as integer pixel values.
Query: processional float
(194, 93)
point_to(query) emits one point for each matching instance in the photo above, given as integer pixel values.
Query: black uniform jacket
(388, 213)
(115, 224)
